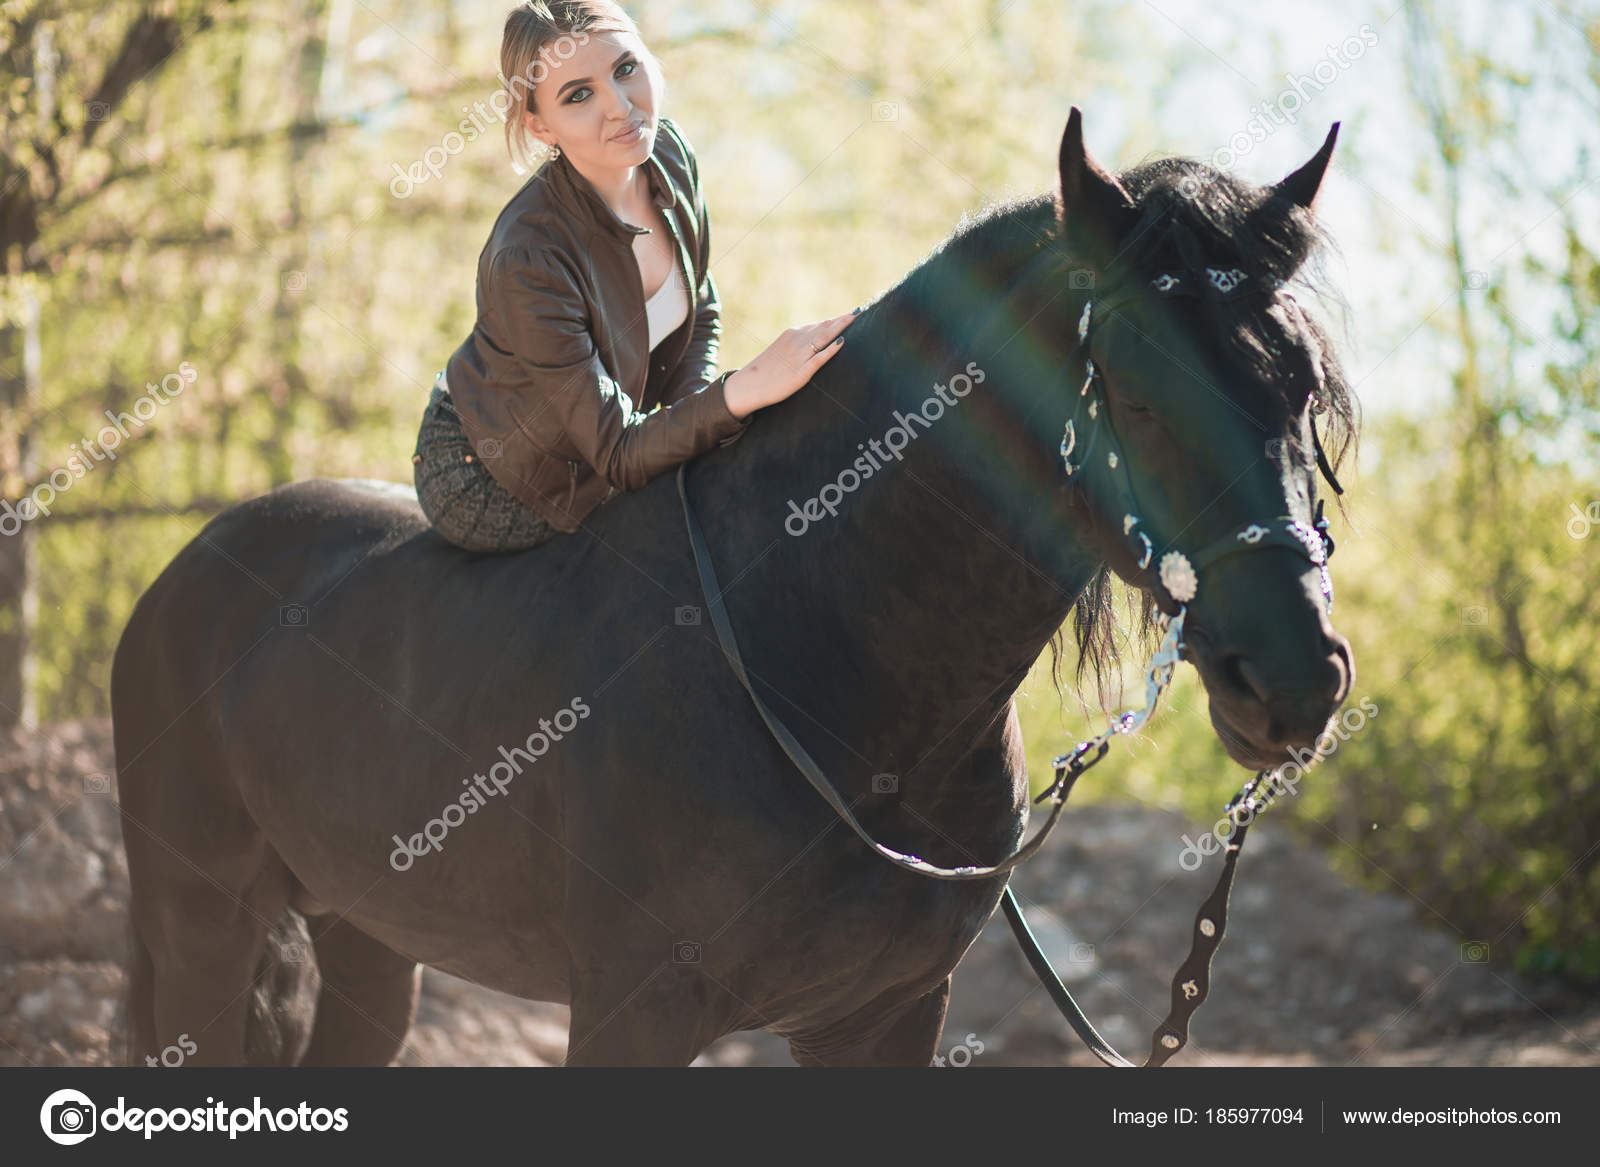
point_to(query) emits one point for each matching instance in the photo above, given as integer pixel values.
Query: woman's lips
(628, 137)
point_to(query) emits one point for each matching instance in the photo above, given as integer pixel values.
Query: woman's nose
(618, 107)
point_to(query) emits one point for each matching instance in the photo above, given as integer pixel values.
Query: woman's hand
(785, 365)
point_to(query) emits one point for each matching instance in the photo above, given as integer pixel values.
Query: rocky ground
(1314, 971)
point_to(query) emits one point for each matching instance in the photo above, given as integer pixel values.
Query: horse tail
(283, 995)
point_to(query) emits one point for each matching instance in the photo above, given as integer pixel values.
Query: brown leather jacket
(557, 386)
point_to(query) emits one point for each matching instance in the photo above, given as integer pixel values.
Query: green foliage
(1465, 579)
(232, 208)
(209, 187)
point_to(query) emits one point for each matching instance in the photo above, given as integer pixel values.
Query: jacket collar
(577, 193)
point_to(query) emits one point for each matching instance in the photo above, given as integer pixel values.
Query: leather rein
(1178, 577)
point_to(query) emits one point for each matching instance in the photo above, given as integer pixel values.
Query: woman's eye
(630, 66)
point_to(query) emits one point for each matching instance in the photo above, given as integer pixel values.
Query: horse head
(1189, 445)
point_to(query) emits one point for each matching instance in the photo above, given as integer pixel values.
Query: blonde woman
(595, 302)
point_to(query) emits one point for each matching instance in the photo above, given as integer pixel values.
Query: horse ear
(1095, 211)
(1301, 187)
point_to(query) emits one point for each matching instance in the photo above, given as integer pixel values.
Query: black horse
(347, 748)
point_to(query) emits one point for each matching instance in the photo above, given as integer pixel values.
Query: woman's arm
(557, 392)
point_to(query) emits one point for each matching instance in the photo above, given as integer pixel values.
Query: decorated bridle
(1179, 575)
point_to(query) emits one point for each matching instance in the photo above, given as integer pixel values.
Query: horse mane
(1181, 203)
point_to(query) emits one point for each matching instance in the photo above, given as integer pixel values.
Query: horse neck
(893, 633)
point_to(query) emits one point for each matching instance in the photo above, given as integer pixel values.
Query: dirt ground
(1313, 970)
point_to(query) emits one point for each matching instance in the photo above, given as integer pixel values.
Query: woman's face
(583, 102)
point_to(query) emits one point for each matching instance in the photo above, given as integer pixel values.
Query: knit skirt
(458, 495)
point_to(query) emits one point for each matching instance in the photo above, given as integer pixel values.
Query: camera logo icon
(292, 952)
(686, 952)
(1274, 449)
(489, 448)
(1476, 616)
(1081, 280)
(292, 615)
(68, 1117)
(885, 784)
(1475, 952)
(687, 614)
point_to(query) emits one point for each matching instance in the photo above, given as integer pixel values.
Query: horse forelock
(1186, 205)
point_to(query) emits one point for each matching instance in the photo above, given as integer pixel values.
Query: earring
(552, 153)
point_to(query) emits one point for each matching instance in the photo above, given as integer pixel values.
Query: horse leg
(219, 961)
(227, 965)
(367, 1003)
(910, 1040)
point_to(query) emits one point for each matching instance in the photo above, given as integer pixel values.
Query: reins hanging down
(1178, 575)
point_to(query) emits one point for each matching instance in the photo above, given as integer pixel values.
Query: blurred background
(272, 215)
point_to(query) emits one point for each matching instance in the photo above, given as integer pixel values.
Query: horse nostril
(1242, 676)
(1343, 666)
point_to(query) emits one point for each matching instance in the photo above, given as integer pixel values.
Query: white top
(668, 308)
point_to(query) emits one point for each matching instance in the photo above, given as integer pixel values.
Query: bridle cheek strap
(1105, 477)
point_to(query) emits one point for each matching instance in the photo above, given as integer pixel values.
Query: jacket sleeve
(562, 394)
(699, 364)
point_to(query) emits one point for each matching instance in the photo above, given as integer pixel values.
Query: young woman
(596, 304)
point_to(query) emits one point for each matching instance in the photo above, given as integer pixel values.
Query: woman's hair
(535, 42)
